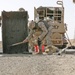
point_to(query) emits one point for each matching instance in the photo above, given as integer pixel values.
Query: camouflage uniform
(46, 33)
(32, 31)
(48, 36)
(32, 37)
(50, 46)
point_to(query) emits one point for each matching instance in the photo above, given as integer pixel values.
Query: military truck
(57, 15)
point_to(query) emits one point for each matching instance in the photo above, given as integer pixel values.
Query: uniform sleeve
(51, 24)
(44, 30)
(30, 34)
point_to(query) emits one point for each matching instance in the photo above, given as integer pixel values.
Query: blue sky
(14, 5)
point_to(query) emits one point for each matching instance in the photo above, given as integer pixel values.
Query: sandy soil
(37, 64)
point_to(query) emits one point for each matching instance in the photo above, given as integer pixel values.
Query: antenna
(60, 2)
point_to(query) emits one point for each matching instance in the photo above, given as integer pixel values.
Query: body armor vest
(45, 23)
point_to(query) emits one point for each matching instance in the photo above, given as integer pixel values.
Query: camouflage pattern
(48, 36)
(51, 49)
(44, 30)
(32, 31)
(44, 34)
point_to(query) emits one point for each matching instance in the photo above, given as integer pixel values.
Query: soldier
(50, 45)
(48, 36)
(46, 28)
(33, 27)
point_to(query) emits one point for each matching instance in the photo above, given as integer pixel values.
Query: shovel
(16, 44)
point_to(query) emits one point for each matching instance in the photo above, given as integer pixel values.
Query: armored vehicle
(57, 15)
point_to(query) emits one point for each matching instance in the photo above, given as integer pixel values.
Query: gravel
(21, 64)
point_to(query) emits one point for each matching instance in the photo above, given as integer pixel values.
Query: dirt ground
(21, 64)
